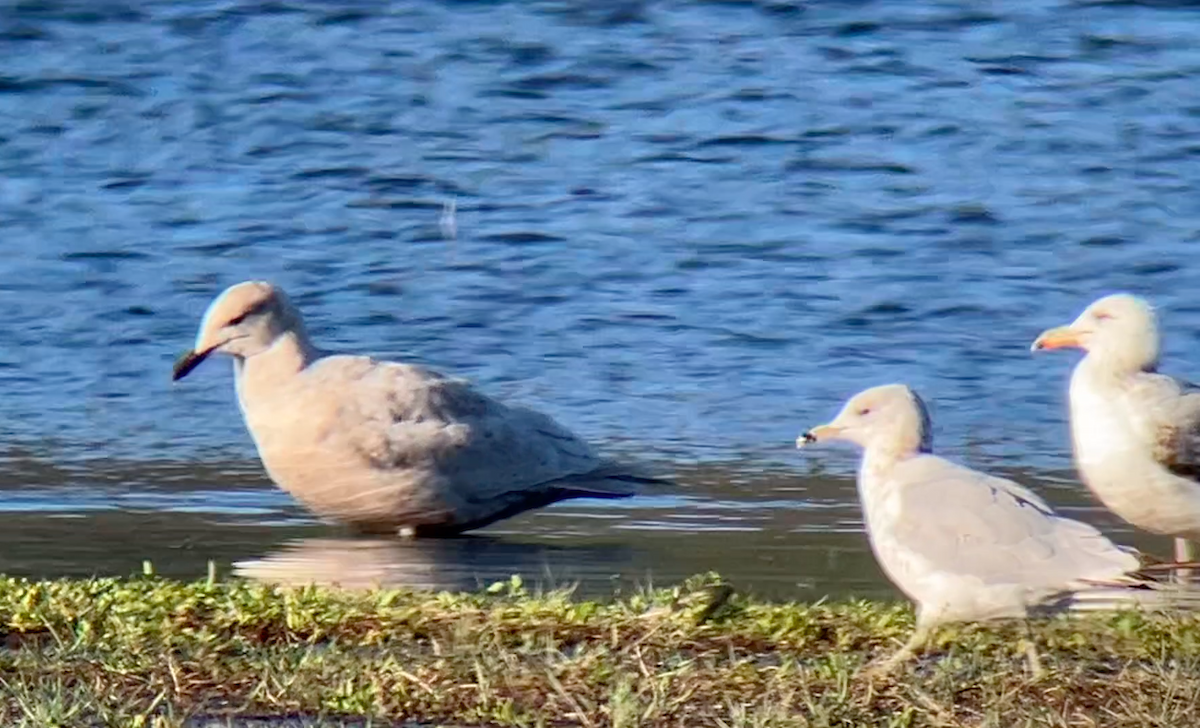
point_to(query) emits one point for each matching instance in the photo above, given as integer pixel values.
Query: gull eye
(864, 412)
(1102, 316)
(260, 307)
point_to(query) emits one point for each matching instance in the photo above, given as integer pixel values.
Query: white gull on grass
(389, 447)
(966, 546)
(1136, 432)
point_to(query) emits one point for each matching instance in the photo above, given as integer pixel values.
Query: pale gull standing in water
(389, 447)
(966, 546)
(1136, 432)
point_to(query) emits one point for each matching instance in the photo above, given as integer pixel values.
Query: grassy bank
(157, 652)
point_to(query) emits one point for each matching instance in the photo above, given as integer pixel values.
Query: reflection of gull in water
(466, 563)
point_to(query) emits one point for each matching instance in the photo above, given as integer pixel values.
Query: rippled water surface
(688, 230)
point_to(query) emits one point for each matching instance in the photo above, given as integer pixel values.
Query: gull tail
(1136, 594)
(611, 481)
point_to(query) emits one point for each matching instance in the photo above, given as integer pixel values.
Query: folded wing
(503, 458)
(966, 523)
(1171, 412)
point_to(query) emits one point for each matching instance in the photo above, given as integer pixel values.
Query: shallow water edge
(777, 533)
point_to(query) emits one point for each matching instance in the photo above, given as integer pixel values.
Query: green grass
(154, 652)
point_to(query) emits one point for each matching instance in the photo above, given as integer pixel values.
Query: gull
(1136, 433)
(965, 546)
(384, 446)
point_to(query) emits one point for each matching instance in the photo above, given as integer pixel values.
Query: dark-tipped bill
(819, 433)
(186, 363)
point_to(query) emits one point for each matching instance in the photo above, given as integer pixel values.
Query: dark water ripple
(687, 229)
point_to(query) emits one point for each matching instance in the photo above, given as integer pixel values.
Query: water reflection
(775, 533)
(464, 563)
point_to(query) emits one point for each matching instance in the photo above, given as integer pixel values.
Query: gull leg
(1031, 653)
(1183, 554)
(884, 667)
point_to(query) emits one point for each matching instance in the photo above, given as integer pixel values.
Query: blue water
(688, 230)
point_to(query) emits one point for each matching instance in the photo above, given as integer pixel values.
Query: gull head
(891, 416)
(1119, 329)
(244, 320)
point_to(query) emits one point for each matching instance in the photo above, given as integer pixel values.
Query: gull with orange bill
(1136, 433)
